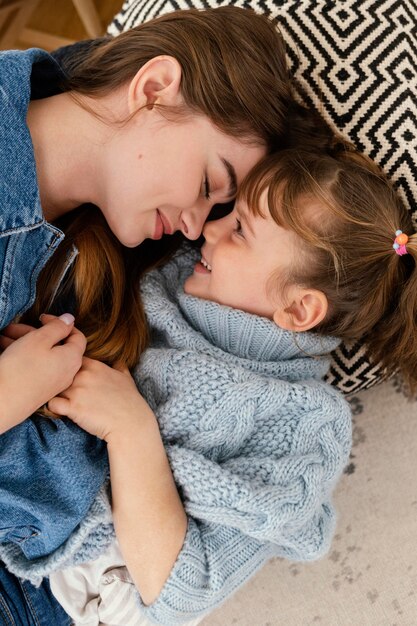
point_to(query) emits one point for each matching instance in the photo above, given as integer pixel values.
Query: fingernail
(67, 318)
(41, 316)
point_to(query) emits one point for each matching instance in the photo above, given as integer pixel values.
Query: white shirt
(100, 592)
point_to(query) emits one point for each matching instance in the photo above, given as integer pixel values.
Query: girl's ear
(157, 81)
(307, 309)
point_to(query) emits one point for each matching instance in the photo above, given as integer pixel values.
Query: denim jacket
(31, 454)
(26, 239)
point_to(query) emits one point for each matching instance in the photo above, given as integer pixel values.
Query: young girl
(154, 128)
(231, 387)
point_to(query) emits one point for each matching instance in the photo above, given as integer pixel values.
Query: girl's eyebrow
(231, 173)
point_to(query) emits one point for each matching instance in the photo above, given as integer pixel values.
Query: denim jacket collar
(20, 207)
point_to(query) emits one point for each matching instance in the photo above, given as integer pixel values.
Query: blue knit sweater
(255, 439)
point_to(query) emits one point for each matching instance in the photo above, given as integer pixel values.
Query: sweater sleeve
(249, 508)
(214, 561)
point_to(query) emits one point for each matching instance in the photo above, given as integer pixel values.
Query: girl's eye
(206, 190)
(238, 228)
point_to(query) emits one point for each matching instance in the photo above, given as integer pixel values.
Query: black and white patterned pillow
(357, 63)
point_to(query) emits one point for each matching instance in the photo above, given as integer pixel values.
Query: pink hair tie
(399, 242)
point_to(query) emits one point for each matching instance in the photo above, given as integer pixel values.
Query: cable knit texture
(255, 439)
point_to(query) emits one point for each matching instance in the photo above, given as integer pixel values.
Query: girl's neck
(67, 144)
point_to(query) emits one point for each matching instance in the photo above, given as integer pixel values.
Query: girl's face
(163, 176)
(241, 253)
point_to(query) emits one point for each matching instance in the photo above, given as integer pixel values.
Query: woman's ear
(307, 308)
(157, 81)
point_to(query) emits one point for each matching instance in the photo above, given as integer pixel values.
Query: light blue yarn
(255, 439)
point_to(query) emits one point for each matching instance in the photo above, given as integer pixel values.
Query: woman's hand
(102, 400)
(36, 364)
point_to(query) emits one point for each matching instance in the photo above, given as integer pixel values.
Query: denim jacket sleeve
(26, 239)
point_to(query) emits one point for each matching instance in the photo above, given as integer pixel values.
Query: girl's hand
(36, 365)
(102, 400)
(148, 514)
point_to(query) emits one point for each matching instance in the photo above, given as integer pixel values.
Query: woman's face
(162, 176)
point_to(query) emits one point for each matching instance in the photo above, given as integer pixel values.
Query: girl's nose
(214, 229)
(209, 230)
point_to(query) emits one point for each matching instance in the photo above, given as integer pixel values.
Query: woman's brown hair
(234, 72)
(232, 61)
(346, 214)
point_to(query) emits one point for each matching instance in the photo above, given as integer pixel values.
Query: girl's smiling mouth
(206, 265)
(202, 267)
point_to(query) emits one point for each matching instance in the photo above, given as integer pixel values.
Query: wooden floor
(59, 19)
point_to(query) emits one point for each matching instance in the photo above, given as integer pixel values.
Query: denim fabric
(50, 473)
(26, 239)
(22, 604)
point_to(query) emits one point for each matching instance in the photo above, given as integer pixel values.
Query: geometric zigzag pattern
(357, 63)
(350, 369)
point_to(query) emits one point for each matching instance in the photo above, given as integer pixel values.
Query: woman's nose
(192, 222)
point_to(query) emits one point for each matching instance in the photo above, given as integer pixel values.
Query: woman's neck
(67, 141)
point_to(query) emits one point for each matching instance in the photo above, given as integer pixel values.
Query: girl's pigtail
(393, 342)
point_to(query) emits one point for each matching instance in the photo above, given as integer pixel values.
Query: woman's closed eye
(206, 188)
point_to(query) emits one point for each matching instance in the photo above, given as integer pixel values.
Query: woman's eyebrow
(231, 173)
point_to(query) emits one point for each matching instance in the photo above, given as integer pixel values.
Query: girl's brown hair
(346, 214)
(234, 72)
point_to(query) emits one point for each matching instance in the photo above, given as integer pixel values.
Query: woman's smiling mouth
(168, 230)
(162, 226)
(159, 226)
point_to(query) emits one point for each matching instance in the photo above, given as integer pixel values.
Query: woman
(153, 128)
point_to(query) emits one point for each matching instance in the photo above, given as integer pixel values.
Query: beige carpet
(370, 575)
